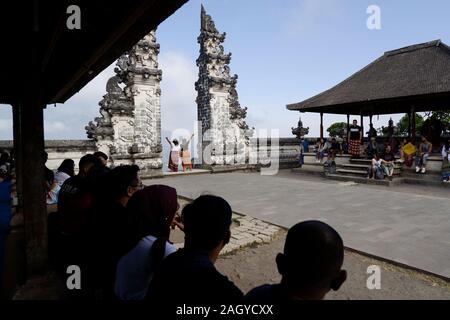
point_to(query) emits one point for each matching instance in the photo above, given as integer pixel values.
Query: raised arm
(189, 141)
(170, 142)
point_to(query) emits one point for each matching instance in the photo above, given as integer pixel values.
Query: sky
(283, 52)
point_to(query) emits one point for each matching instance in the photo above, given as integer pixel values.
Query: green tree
(441, 115)
(403, 124)
(337, 129)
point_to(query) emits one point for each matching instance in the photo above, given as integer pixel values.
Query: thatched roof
(417, 75)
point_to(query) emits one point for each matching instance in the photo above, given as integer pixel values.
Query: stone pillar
(29, 153)
(129, 130)
(223, 119)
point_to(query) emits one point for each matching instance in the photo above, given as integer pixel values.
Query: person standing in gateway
(174, 158)
(354, 138)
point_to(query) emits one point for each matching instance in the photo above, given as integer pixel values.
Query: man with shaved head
(310, 266)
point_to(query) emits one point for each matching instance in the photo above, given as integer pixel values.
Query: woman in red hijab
(155, 208)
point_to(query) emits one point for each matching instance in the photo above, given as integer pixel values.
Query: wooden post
(348, 127)
(413, 125)
(321, 125)
(29, 152)
(362, 128)
(409, 124)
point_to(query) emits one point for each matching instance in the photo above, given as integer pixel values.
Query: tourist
(100, 169)
(355, 138)
(423, 153)
(5, 162)
(372, 133)
(445, 152)
(372, 148)
(335, 149)
(155, 208)
(189, 275)
(310, 266)
(408, 160)
(113, 230)
(102, 157)
(65, 171)
(52, 188)
(186, 154)
(75, 198)
(387, 163)
(174, 157)
(318, 149)
(325, 150)
(5, 214)
(68, 226)
(376, 171)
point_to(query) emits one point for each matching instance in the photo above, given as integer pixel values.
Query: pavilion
(45, 62)
(407, 80)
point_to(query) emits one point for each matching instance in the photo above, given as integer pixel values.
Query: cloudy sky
(283, 51)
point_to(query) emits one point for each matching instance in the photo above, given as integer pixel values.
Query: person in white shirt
(174, 158)
(155, 208)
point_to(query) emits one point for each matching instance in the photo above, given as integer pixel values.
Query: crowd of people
(118, 231)
(383, 155)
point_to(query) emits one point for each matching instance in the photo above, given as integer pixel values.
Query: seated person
(406, 159)
(335, 149)
(189, 275)
(318, 150)
(155, 208)
(324, 150)
(423, 153)
(389, 154)
(376, 171)
(310, 266)
(387, 163)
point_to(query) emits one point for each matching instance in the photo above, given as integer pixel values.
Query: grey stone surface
(410, 227)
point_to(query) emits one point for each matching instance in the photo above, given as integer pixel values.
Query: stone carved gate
(129, 128)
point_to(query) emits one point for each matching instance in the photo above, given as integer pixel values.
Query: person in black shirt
(310, 266)
(354, 138)
(113, 228)
(188, 275)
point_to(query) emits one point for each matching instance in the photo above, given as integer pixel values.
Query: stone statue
(300, 131)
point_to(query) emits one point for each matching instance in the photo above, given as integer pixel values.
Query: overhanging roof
(417, 75)
(38, 52)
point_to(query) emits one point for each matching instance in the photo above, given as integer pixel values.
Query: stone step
(361, 167)
(352, 172)
(363, 180)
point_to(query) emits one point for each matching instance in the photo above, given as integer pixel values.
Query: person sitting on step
(423, 153)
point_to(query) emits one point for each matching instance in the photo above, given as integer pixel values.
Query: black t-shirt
(355, 132)
(190, 277)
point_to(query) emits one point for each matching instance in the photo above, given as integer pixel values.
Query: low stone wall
(58, 150)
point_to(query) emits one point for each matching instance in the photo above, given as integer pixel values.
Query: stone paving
(245, 231)
(409, 228)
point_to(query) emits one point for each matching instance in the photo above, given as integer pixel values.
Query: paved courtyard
(412, 228)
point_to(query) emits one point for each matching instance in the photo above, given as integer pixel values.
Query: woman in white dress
(174, 158)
